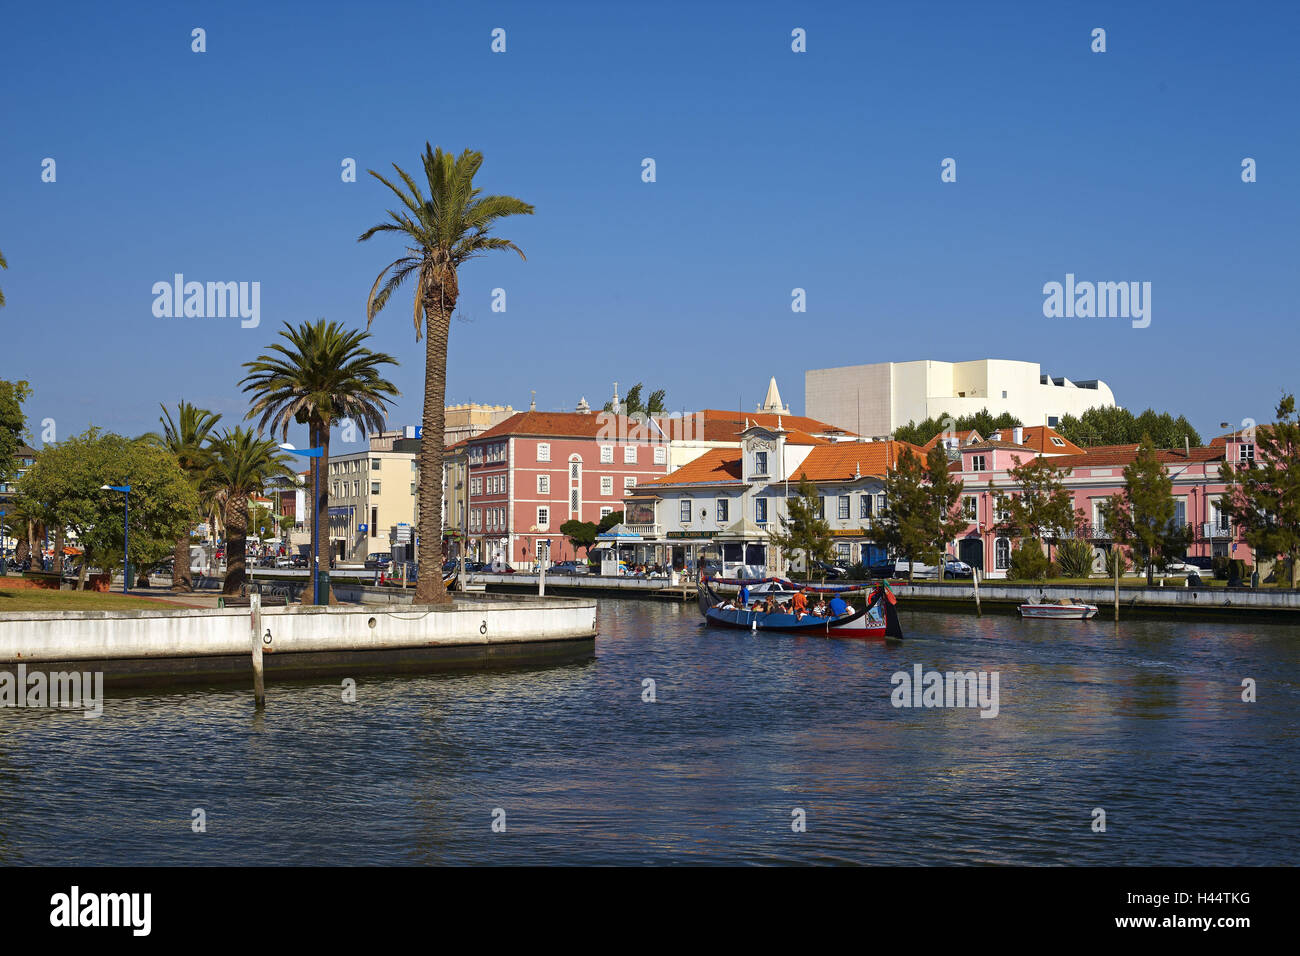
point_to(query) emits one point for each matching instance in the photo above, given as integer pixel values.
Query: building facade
(370, 492)
(876, 399)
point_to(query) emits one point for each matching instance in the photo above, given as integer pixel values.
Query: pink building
(534, 471)
(1094, 475)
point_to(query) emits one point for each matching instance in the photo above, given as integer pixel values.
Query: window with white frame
(543, 484)
(685, 510)
(760, 511)
(1002, 554)
(842, 510)
(821, 507)
(374, 487)
(629, 454)
(977, 463)
(1058, 442)
(1245, 452)
(543, 518)
(606, 511)
(661, 455)
(543, 451)
(864, 507)
(970, 508)
(760, 463)
(629, 481)
(606, 484)
(881, 503)
(606, 454)
(573, 500)
(722, 509)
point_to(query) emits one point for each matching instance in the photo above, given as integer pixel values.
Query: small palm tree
(187, 437)
(241, 464)
(441, 232)
(319, 376)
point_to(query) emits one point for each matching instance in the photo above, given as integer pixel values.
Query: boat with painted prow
(876, 619)
(1061, 610)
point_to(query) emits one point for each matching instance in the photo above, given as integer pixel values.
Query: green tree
(1142, 517)
(320, 375)
(581, 534)
(607, 522)
(1111, 425)
(904, 528)
(1263, 497)
(13, 425)
(65, 486)
(983, 421)
(944, 515)
(1043, 507)
(633, 407)
(802, 528)
(441, 232)
(187, 437)
(261, 525)
(242, 464)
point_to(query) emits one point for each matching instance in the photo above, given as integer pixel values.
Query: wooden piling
(1115, 548)
(255, 620)
(541, 577)
(975, 577)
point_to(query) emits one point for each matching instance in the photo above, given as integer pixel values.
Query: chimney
(1018, 435)
(1187, 446)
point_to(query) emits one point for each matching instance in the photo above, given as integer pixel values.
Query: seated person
(838, 606)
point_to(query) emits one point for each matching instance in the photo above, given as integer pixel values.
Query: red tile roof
(567, 425)
(722, 425)
(962, 438)
(839, 461)
(1104, 456)
(1039, 438)
(717, 465)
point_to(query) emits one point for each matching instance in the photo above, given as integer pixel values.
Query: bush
(859, 572)
(1113, 555)
(1074, 558)
(1028, 562)
(1220, 565)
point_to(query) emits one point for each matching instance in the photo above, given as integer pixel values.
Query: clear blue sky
(775, 170)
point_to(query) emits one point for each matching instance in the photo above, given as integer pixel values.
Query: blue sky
(775, 170)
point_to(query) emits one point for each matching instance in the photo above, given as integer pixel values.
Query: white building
(876, 399)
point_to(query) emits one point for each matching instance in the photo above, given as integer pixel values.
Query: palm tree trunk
(181, 580)
(438, 306)
(236, 535)
(57, 564)
(323, 544)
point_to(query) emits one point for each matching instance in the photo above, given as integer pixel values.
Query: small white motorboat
(1061, 610)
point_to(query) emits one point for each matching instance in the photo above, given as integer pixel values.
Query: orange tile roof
(722, 425)
(838, 461)
(1104, 456)
(960, 436)
(1039, 438)
(717, 465)
(565, 425)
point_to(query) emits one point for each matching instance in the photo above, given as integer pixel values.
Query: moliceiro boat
(877, 618)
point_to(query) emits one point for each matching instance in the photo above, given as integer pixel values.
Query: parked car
(1181, 567)
(1201, 563)
(882, 569)
(952, 568)
(569, 567)
(831, 571)
(379, 561)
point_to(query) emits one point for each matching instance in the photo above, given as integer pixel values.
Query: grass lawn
(35, 599)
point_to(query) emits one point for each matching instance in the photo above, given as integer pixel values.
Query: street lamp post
(126, 530)
(315, 515)
(4, 559)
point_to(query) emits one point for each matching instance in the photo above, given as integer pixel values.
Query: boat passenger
(838, 606)
(800, 601)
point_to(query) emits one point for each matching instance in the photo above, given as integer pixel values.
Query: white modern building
(874, 400)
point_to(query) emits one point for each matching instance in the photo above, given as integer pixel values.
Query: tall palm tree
(441, 232)
(187, 437)
(3, 265)
(319, 376)
(241, 464)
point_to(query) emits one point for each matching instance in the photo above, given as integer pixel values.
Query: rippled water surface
(1146, 722)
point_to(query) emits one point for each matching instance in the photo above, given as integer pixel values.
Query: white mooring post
(541, 577)
(255, 620)
(975, 577)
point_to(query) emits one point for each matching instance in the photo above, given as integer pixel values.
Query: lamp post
(4, 560)
(126, 530)
(315, 515)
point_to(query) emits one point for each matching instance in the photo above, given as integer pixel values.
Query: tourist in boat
(839, 607)
(799, 602)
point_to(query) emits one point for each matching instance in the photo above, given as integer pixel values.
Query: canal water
(756, 749)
